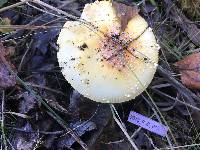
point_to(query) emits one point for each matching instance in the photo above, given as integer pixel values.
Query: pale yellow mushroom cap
(103, 69)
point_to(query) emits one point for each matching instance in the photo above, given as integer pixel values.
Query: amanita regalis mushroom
(107, 65)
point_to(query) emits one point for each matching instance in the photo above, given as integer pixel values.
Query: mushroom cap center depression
(114, 51)
(108, 67)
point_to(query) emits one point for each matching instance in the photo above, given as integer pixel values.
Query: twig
(41, 132)
(17, 114)
(29, 24)
(132, 136)
(175, 99)
(157, 116)
(55, 9)
(183, 146)
(65, 132)
(2, 120)
(35, 7)
(10, 144)
(31, 27)
(44, 87)
(14, 5)
(122, 128)
(86, 23)
(155, 108)
(151, 141)
(190, 96)
(23, 57)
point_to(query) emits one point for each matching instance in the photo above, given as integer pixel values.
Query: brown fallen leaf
(190, 70)
(125, 13)
(6, 79)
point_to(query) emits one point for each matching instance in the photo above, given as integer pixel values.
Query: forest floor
(40, 109)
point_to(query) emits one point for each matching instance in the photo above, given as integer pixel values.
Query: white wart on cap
(100, 68)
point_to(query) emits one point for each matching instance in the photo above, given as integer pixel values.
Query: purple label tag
(147, 123)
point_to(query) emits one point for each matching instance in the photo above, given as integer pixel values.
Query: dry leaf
(125, 13)
(27, 103)
(6, 79)
(190, 70)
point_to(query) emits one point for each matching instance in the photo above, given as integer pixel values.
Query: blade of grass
(156, 109)
(122, 128)
(17, 114)
(2, 121)
(14, 5)
(184, 146)
(158, 117)
(40, 100)
(53, 114)
(117, 114)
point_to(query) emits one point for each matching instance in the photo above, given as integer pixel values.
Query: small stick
(31, 27)
(2, 120)
(122, 128)
(55, 9)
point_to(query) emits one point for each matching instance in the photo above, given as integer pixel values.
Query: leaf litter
(190, 70)
(6, 79)
(41, 69)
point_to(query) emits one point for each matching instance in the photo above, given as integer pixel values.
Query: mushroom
(103, 63)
